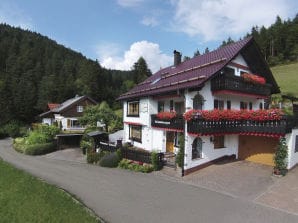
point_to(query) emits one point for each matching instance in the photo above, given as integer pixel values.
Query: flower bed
(216, 115)
(166, 115)
(252, 78)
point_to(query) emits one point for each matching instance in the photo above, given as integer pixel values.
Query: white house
(233, 78)
(66, 114)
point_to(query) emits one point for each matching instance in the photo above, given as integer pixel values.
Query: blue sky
(118, 32)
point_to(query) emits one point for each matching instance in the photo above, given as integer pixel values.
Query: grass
(24, 198)
(287, 78)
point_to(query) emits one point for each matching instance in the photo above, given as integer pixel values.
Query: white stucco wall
(208, 151)
(291, 141)
(47, 121)
(239, 60)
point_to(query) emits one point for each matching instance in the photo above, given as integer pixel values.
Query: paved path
(123, 196)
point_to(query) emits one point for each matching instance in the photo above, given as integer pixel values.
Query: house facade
(66, 114)
(188, 99)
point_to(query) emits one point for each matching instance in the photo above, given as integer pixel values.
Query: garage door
(257, 149)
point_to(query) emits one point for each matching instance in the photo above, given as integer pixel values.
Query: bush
(155, 162)
(50, 131)
(13, 128)
(180, 156)
(3, 133)
(19, 145)
(109, 160)
(135, 166)
(93, 157)
(281, 155)
(36, 137)
(40, 149)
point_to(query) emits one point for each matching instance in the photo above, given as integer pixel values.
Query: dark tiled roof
(188, 74)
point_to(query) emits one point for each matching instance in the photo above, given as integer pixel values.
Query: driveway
(241, 179)
(123, 196)
(69, 154)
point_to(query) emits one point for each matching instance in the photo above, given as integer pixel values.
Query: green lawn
(287, 78)
(24, 198)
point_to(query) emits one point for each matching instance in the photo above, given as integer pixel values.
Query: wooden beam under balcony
(174, 124)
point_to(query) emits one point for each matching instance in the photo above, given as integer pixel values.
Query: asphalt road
(122, 196)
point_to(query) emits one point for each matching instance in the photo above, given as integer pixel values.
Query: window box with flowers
(219, 122)
(253, 78)
(166, 115)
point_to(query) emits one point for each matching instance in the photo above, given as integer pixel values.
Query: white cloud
(129, 3)
(217, 19)
(149, 51)
(149, 21)
(11, 14)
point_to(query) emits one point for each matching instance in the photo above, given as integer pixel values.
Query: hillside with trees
(278, 42)
(35, 70)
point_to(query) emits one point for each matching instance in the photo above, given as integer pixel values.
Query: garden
(39, 141)
(124, 157)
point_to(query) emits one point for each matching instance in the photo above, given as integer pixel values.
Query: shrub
(180, 156)
(109, 160)
(93, 157)
(281, 155)
(36, 137)
(19, 144)
(40, 149)
(13, 128)
(50, 131)
(155, 162)
(135, 166)
(3, 133)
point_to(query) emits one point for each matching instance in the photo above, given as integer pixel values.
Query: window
(179, 107)
(243, 105)
(135, 133)
(133, 108)
(296, 144)
(219, 142)
(171, 105)
(80, 108)
(197, 148)
(71, 123)
(160, 106)
(229, 105)
(198, 102)
(250, 105)
(218, 104)
(261, 106)
(229, 71)
(176, 138)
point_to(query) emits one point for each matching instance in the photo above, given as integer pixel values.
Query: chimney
(177, 58)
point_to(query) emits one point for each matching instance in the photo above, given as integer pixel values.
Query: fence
(132, 154)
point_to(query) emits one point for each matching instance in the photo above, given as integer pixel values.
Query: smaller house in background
(67, 113)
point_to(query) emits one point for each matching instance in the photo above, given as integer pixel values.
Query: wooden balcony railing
(277, 127)
(235, 83)
(176, 123)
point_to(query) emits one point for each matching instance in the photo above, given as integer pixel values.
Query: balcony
(249, 127)
(230, 83)
(176, 123)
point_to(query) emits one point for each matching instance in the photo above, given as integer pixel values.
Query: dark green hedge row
(40, 149)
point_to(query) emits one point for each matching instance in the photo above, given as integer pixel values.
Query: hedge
(40, 149)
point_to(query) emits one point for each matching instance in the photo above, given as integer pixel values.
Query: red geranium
(216, 115)
(166, 115)
(256, 79)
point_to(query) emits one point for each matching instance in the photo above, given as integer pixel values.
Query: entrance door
(170, 142)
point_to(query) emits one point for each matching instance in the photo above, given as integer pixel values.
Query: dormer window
(80, 108)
